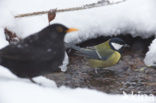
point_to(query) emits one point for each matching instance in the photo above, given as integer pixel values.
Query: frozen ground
(136, 17)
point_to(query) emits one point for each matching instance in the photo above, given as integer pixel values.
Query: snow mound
(17, 90)
(135, 17)
(150, 59)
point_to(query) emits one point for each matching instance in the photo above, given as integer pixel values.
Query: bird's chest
(114, 58)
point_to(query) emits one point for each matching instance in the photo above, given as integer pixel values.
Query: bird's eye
(59, 29)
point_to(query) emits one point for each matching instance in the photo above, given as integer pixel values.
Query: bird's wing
(104, 50)
(105, 54)
(27, 49)
(90, 53)
(15, 53)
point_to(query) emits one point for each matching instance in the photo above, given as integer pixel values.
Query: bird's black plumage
(38, 54)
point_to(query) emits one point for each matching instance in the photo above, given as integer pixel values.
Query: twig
(87, 6)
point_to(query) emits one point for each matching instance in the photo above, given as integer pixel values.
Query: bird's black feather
(38, 54)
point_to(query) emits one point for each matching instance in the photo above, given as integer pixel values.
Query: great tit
(39, 54)
(102, 55)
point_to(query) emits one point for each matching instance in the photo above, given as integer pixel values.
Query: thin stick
(87, 6)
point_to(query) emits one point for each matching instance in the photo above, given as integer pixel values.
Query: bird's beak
(71, 30)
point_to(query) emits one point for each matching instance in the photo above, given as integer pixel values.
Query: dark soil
(130, 75)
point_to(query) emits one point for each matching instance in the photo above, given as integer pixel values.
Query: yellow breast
(112, 60)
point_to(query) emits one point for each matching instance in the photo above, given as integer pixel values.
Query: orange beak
(71, 30)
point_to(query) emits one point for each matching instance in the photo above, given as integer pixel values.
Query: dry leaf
(11, 37)
(51, 15)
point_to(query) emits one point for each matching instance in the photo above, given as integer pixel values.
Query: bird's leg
(32, 81)
(96, 70)
(35, 82)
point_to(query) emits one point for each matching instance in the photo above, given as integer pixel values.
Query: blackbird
(39, 54)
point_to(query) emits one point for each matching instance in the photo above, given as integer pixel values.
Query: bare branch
(87, 6)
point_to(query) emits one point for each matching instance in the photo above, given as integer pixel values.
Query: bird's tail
(0, 59)
(81, 51)
(72, 46)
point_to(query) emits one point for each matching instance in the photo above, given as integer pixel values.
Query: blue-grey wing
(90, 52)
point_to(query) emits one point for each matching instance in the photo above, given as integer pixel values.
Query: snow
(18, 90)
(150, 59)
(136, 17)
(110, 20)
(3, 41)
(63, 67)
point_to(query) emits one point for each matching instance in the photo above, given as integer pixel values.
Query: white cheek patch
(117, 46)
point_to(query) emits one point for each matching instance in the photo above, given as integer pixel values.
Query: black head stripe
(118, 41)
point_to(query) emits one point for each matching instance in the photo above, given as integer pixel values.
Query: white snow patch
(6, 17)
(65, 63)
(3, 41)
(5, 74)
(44, 81)
(150, 59)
